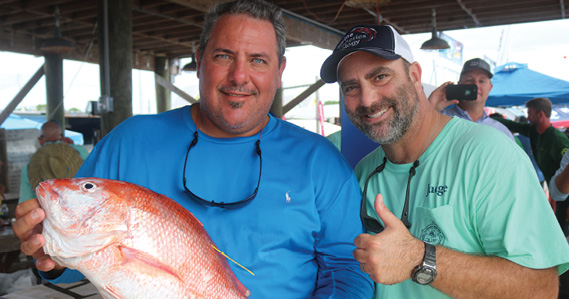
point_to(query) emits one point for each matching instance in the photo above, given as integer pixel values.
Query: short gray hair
(257, 9)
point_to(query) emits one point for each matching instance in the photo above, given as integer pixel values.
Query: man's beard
(405, 106)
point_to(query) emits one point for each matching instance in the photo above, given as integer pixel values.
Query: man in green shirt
(547, 143)
(447, 221)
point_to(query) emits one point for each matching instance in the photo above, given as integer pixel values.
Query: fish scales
(131, 242)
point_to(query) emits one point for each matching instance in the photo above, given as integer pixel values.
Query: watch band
(426, 272)
(430, 255)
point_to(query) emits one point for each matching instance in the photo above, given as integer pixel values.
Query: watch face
(424, 277)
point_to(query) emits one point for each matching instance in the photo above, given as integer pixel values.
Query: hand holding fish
(28, 228)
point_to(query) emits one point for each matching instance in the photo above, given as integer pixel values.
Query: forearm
(562, 181)
(515, 126)
(466, 276)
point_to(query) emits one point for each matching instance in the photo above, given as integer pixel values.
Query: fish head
(83, 215)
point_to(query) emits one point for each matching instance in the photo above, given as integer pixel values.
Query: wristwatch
(425, 274)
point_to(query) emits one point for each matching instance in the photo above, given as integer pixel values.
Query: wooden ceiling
(171, 28)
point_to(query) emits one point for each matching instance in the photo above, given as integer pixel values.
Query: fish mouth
(47, 195)
(48, 198)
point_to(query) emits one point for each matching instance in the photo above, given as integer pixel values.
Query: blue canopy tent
(515, 84)
(14, 122)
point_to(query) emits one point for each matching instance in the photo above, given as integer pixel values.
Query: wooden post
(119, 62)
(277, 107)
(53, 69)
(162, 69)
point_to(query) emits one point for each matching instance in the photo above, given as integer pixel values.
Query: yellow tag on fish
(236, 263)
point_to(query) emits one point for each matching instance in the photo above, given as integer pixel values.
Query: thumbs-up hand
(390, 256)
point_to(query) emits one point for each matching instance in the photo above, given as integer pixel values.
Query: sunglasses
(372, 224)
(221, 204)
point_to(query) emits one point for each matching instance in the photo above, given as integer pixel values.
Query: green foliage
(74, 110)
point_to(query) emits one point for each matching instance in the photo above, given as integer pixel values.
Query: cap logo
(357, 35)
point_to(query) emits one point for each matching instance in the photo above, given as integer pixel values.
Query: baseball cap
(476, 64)
(381, 40)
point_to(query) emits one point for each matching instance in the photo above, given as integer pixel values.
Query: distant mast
(504, 46)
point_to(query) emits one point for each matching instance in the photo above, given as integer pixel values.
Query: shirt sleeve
(506, 205)
(553, 190)
(339, 274)
(26, 191)
(516, 127)
(68, 276)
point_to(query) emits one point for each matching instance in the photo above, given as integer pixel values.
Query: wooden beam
(298, 30)
(21, 95)
(163, 82)
(199, 5)
(163, 102)
(469, 12)
(307, 33)
(301, 97)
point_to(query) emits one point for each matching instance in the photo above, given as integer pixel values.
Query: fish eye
(89, 187)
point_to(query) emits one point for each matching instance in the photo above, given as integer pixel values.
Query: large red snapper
(131, 242)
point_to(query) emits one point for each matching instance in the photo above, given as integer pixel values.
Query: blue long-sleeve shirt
(296, 235)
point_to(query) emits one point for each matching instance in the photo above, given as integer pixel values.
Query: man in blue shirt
(280, 200)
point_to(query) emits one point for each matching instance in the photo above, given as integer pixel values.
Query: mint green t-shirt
(476, 192)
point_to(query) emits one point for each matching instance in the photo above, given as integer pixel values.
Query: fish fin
(132, 255)
(245, 291)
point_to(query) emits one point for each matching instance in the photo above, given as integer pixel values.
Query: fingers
(389, 220)
(33, 245)
(45, 263)
(361, 240)
(26, 222)
(438, 99)
(26, 206)
(27, 227)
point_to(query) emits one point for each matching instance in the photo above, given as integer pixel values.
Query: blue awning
(515, 84)
(15, 122)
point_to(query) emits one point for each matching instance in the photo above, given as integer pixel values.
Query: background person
(447, 221)
(475, 71)
(57, 157)
(548, 145)
(295, 231)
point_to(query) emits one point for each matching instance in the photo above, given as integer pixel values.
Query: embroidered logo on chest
(433, 234)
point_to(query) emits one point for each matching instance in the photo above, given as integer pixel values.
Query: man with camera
(469, 96)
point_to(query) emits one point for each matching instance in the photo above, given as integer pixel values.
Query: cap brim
(329, 70)
(490, 75)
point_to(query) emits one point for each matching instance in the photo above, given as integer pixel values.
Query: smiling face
(379, 96)
(239, 74)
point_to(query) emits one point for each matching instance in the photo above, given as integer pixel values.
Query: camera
(462, 92)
